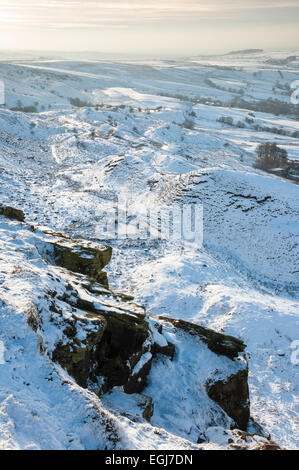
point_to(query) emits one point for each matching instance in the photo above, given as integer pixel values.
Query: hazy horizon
(132, 27)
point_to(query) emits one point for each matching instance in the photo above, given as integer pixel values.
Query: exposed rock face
(121, 351)
(232, 394)
(217, 342)
(137, 380)
(84, 258)
(77, 356)
(112, 351)
(77, 256)
(123, 343)
(12, 213)
(148, 405)
(168, 350)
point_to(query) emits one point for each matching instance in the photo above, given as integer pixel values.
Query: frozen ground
(130, 136)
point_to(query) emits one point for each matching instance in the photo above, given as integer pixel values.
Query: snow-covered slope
(151, 133)
(44, 315)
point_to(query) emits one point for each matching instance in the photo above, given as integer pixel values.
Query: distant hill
(246, 51)
(285, 61)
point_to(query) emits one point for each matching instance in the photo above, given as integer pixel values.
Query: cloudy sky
(148, 26)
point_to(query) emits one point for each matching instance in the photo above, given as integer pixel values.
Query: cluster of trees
(189, 124)
(211, 84)
(25, 109)
(270, 156)
(272, 106)
(269, 105)
(79, 103)
(274, 159)
(228, 120)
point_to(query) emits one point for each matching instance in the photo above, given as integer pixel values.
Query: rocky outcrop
(138, 376)
(112, 351)
(83, 257)
(79, 256)
(125, 341)
(148, 407)
(122, 349)
(12, 213)
(104, 340)
(232, 394)
(219, 343)
(76, 356)
(168, 350)
(116, 349)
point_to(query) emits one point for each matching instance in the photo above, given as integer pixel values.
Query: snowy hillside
(77, 136)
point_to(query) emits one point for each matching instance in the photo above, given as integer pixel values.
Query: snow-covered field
(149, 132)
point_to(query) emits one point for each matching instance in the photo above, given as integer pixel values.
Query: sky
(149, 27)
